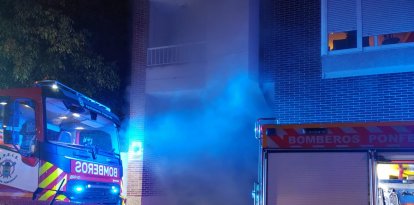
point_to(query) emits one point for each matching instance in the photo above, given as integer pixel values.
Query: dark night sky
(108, 23)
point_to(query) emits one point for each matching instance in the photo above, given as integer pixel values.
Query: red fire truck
(56, 144)
(343, 163)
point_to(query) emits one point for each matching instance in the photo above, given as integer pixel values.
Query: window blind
(387, 16)
(341, 15)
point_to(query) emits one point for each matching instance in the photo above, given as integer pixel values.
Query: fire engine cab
(56, 144)
(335, 163)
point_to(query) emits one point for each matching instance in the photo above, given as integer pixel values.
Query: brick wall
(149, 186)
(139, 49)
(140, 23)
(290, 57)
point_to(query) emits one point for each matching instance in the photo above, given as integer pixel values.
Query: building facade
(207, 69)
(199, 99)
(319, 75)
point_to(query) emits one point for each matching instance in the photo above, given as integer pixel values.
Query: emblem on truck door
(7, 168)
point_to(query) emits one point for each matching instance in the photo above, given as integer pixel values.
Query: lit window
(357, 24)
(342, 40)
(387, 39)
(360, 37)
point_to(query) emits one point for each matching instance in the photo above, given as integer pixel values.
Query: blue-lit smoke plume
(202, 148)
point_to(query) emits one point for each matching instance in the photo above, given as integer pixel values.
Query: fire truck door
(18, 163)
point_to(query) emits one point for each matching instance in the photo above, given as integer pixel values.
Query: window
(387, 39)
(70, 124)
(342, 40)
(352, 24)
(366, 37)
(18, 127)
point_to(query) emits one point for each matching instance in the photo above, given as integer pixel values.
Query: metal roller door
(317, 178)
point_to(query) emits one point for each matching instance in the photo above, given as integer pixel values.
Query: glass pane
(28, 128)
(368, 41)
(18, 127)
(395, 38)
(387, 39)
(342, 40)
(71, 124)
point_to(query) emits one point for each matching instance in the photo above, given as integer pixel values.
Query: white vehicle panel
(15, 173)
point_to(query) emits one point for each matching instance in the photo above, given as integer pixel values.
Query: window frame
(359, 46)
(373, 59)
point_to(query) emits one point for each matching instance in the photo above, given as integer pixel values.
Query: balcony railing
(174, 54)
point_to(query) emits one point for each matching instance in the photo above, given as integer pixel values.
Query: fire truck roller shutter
(316, 178)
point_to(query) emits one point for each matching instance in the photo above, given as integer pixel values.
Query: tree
(40, 42)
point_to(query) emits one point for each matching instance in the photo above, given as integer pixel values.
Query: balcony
(176, 54)
(176, 68)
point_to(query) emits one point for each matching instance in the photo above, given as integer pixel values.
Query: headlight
(114, 190)
(78, 188)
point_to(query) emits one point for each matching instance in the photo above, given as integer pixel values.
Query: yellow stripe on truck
(49, 179)
(46, 166)
(46, 195)
(60, 182)
(61, 198)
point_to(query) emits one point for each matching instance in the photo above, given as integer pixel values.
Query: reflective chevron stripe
(62, 198)
(50, 178)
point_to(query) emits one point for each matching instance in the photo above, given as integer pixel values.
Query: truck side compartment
(335, 163)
